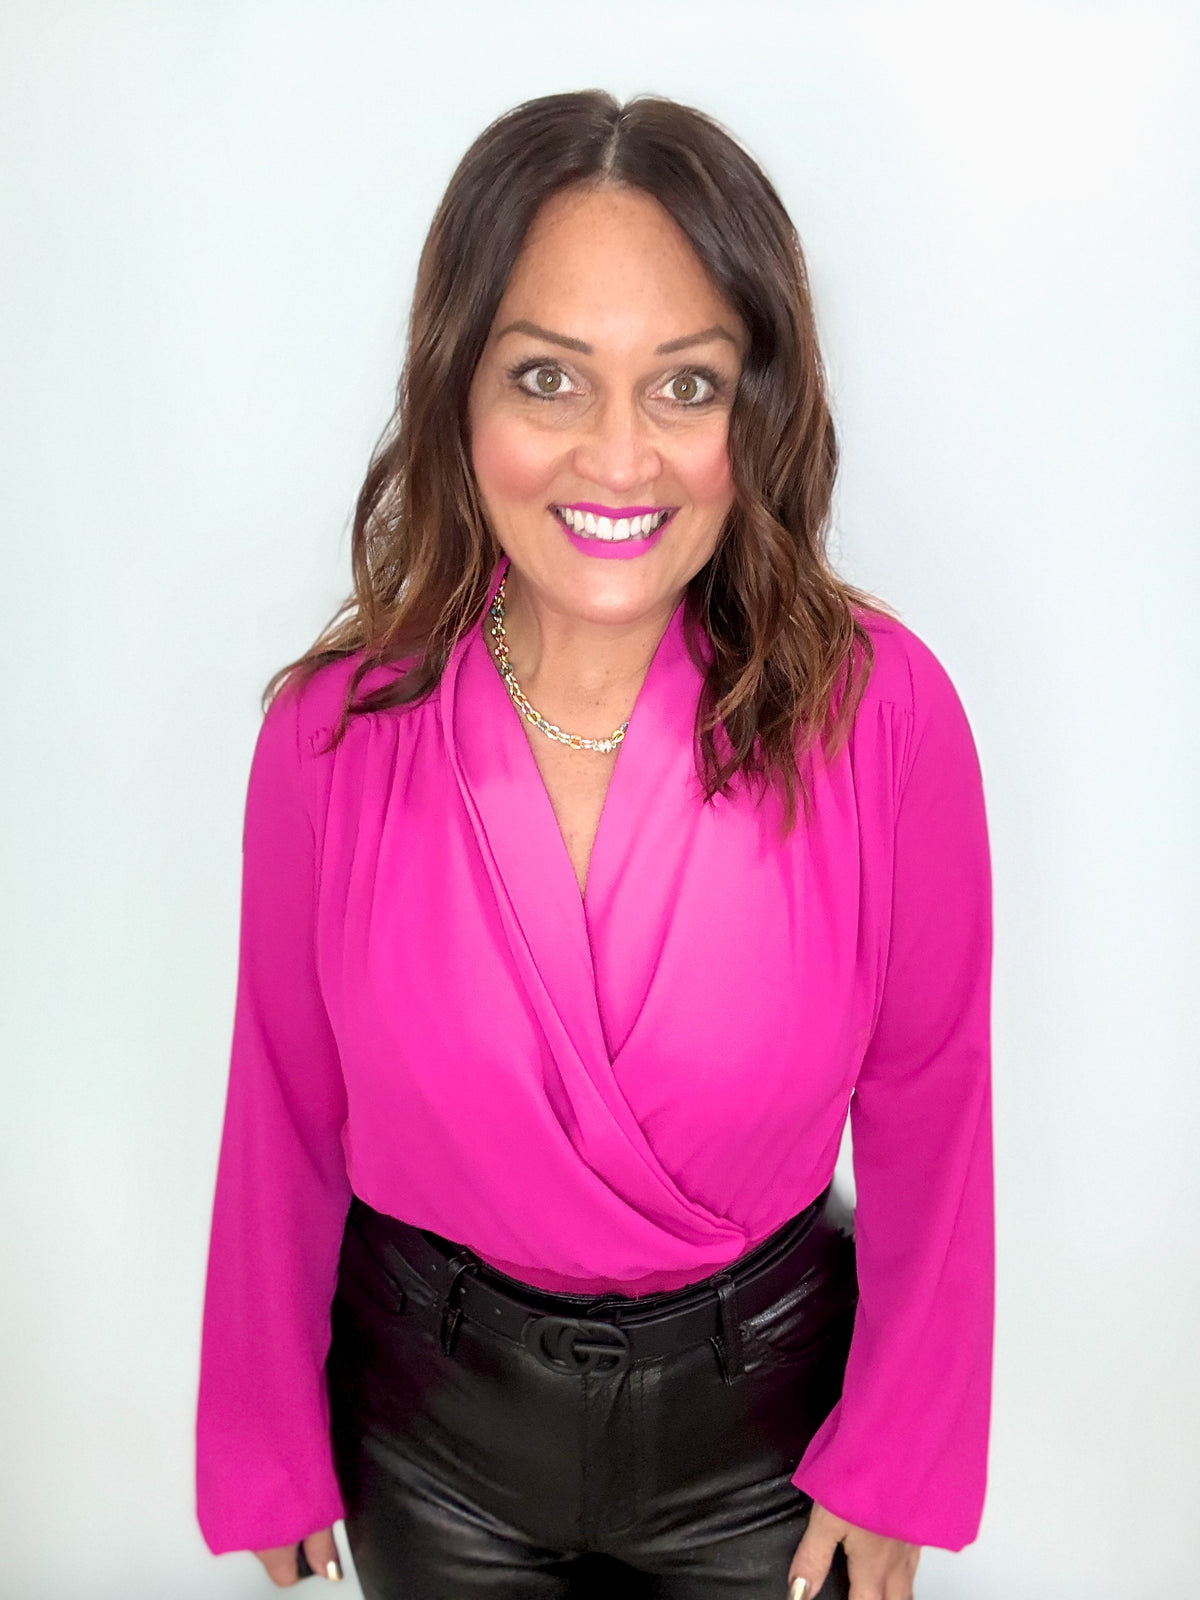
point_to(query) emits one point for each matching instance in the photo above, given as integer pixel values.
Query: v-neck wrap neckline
(547, 920)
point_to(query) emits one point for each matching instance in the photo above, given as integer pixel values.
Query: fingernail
(798, 1589)
(334, 1572)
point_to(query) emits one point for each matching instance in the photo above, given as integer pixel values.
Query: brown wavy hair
(767, 620)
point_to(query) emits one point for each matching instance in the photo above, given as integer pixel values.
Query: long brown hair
(769, 622)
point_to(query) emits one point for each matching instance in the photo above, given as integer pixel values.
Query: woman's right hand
(320, 1550)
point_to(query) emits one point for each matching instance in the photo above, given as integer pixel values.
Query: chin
(617, 597)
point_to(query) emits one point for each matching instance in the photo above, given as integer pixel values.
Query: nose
(616, 448)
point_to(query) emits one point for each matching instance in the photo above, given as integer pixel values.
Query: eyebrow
(705, 336)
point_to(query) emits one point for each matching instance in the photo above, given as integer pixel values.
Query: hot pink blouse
(621, 1091)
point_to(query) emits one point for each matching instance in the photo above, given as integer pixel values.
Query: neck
(571, 667)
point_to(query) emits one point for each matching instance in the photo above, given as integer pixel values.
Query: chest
(576, 782)
(720, 976)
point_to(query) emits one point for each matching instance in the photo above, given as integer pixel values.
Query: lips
(610, 523)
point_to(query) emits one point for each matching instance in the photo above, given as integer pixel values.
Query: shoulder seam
(886, 696)
(302, 774)
(911, 743)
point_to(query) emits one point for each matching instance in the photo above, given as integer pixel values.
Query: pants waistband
(607, 1332)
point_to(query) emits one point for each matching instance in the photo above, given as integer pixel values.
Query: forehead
(611, 262)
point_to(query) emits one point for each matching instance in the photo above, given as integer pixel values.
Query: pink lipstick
(620, 532)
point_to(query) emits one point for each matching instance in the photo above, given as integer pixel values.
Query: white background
(211, 215)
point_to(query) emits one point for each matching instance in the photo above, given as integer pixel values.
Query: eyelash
(713, 379)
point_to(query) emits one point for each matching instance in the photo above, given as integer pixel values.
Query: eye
(541, 380)
(694, 387)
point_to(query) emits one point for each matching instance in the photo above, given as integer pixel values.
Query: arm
(264, 1473)
(904, 1452)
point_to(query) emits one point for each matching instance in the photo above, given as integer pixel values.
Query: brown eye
(541, 380)
(692, 388)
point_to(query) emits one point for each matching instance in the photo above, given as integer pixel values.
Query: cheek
(511, 462)
(703, 465)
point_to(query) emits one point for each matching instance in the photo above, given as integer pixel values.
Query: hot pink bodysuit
(619, 1091)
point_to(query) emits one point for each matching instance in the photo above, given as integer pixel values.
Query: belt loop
(729, 1345)
(459, 1264)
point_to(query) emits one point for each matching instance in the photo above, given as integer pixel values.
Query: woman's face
(603, 396)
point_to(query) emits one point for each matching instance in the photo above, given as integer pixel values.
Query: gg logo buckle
(572, 1345)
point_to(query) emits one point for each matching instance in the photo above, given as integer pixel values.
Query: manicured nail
(334, 1572)
(798, 1589)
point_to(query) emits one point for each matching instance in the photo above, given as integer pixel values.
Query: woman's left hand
(879, 1568)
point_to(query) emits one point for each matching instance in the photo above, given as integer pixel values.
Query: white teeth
(624, 528)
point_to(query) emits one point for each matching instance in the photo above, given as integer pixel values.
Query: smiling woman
(620, 410)
(552, 1007)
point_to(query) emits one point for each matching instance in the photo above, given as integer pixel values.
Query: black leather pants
(485, 1460)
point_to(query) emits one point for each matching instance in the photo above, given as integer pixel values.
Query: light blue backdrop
(210, 220)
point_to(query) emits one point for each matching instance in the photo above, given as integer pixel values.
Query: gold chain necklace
(576, 741)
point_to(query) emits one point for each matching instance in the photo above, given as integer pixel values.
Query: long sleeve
(264, 1472)
(904, 1452)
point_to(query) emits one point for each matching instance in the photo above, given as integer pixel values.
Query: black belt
(605, 1333)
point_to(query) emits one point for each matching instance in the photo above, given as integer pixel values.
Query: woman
(598, 861)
